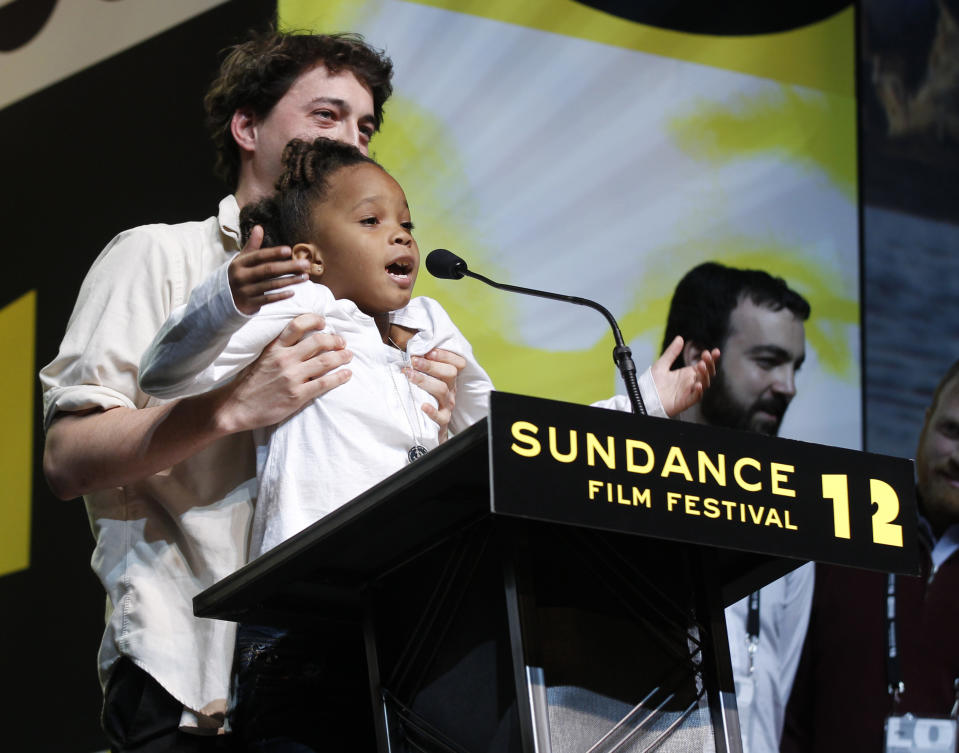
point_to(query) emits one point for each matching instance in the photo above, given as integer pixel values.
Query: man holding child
(169, 485)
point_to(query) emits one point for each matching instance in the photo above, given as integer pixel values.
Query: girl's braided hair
(286, 215)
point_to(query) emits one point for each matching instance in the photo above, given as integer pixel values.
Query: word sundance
(637, 456)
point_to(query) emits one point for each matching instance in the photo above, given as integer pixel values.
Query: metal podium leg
(380, 716)
(717, 666)
(527, 670)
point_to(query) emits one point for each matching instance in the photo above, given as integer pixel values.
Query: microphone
(446, 265)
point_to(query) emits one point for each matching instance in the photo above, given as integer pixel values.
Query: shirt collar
(228, 215)
(946, 546)
(941, 548)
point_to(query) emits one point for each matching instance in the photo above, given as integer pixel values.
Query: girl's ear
(313, 254)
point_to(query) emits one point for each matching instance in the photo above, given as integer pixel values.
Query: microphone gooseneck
(446, 265)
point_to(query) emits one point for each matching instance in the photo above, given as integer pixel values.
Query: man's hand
(295, 368)
(436, 374)
(95, 450)
(683, 387)
(256, 274)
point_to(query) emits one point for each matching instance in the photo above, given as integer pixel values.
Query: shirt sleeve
(647, 391)
(177, 363)
(123, 300)
(473, 386)
(208, 341)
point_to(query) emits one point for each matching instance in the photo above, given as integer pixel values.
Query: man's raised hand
(682, 388)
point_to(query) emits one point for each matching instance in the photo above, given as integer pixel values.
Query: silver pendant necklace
(417, 450)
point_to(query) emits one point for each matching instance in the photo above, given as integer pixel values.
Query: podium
(553, 579)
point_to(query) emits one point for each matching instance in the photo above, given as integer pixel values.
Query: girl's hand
(436, 373)
(257, 273)
(682, 388)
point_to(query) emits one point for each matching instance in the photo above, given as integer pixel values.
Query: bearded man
(756, 321)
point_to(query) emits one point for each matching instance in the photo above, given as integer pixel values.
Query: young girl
(348, 224)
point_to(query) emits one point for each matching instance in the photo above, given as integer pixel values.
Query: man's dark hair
(707, 295)
(286, 216)
(257, 73)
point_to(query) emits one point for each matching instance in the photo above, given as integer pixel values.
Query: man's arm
(100, 449)
(104, 448)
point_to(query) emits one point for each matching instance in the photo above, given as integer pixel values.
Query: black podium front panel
(676, 480)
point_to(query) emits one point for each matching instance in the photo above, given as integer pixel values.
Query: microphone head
(445, 264)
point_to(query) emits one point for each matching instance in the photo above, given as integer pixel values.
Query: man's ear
(692, 352)
(312, 253)
(243, 129)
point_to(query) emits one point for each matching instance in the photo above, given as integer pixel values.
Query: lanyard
(752, 629)
(896, 686)
(893, 672)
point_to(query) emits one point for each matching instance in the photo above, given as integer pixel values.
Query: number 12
(835, 486)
